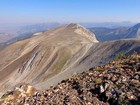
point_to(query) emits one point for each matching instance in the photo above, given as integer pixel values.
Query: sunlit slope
(43, 56)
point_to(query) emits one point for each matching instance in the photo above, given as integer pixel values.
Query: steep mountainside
(49, 57)
(108, 34)
(132, 32)
(43, 56)
(97, 54)
(116, 83)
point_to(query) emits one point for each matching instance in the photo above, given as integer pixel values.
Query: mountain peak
(77, 28)
(74, 25)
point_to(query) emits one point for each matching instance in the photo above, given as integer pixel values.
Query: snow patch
(39, 33)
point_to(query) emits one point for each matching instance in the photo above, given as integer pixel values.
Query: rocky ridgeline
(117, 82)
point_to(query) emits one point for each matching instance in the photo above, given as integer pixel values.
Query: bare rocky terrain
(117, 82)
(49, 57)
(41, 57)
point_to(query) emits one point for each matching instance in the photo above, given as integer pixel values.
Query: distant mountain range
(9, 34)
(108, 34)
(104, 31)
(108, 24)
(19, 32)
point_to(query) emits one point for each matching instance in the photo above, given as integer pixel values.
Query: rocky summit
(117, 82)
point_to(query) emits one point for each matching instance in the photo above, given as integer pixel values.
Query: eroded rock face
(117, 82)
(83, 31)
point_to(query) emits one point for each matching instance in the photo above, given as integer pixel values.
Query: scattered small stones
(117, 82)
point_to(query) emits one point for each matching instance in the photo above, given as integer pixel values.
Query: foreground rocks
(117, 82)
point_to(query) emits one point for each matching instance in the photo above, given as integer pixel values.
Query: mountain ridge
(48, 58)
(40, 57)
(108, 34)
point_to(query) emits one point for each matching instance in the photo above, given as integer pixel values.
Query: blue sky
(20, 11)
